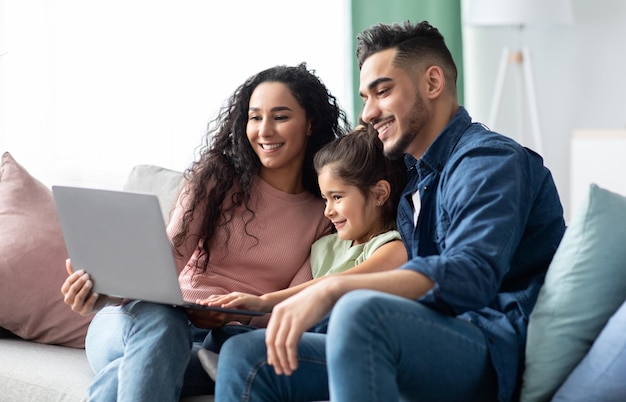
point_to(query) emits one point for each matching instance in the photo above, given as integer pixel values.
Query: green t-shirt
(331, 255)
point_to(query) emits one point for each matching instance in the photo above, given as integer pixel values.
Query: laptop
(120, 239)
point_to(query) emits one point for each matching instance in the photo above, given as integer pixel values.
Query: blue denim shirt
(490, 222)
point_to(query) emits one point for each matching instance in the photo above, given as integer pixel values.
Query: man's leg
(198, 380)
(383, 347)
(244, 375)
(139, 352)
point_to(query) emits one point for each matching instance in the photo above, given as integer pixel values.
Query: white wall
(579, 78)
(89, 88)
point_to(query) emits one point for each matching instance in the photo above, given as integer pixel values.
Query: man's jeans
(379, 347)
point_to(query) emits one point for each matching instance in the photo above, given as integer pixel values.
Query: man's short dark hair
(416, 44)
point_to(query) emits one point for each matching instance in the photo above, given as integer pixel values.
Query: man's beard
(416, 121)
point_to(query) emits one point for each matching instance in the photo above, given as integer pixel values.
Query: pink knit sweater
(271, 253)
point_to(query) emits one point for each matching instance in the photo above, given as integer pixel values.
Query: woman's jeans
(379, 347)
(142, 351)
(139, 352)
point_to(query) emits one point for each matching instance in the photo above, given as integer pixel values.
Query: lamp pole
(520, 14)
(522, 59)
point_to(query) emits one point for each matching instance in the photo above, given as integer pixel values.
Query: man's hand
(290, 319)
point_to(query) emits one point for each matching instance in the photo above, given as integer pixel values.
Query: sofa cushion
(584, 286)
(32, 262)
(31, 371)
(162, 182)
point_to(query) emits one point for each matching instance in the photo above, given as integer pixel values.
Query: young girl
(361, 189)
(244, 221)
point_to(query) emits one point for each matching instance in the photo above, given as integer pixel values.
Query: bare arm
(388, 256)
(292, 317)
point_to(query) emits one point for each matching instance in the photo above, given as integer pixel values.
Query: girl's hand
(238, 300)
(289, 320)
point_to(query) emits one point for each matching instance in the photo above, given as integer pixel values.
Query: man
(480, 218)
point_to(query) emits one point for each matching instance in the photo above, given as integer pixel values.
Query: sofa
(42, 355)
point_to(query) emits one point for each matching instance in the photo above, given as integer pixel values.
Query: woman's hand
(78, 294)
(208, 319)
(238, 300)
(290, 319)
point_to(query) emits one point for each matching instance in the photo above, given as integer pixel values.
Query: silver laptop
(119, 238)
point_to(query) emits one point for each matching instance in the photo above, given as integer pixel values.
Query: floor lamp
(519, 14)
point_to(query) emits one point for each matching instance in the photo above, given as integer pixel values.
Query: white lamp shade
(519, 12)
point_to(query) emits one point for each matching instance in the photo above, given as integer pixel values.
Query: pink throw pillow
(32, 262)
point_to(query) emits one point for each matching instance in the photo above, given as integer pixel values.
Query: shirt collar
(440, 150)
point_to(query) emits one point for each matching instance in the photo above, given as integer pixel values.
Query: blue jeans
(378, 347)
(601, 375)
(139, 352)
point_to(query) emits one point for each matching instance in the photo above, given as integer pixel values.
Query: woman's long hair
(226, 156)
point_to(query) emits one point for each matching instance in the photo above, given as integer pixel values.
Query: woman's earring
(378, 203)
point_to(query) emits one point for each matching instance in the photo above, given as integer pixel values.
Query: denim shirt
(489, 224)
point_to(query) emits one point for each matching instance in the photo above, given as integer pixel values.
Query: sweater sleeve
(184, 253)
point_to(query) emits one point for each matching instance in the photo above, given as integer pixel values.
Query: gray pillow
(162, 182)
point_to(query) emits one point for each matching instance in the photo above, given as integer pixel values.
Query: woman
(244, 221)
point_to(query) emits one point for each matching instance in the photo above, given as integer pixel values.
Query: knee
(152, 319)
(355, 307)
(247, 349)
(141, 310)
(354, 314)
(240, 359)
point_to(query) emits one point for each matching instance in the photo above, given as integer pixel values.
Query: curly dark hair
(226, 156)
(359, 159)
(415, 44)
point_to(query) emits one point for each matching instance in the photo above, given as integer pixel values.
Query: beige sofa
(47, 361)
(36, 372)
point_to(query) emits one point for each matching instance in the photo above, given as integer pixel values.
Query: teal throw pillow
(584, 286)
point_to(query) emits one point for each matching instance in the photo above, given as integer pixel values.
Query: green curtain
(445, 15)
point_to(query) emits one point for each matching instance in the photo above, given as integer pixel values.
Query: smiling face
(355, 216)
(394, 105)
(278, 130)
